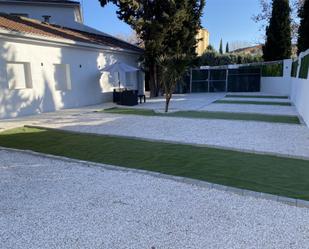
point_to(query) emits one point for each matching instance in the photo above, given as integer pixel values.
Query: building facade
(203, 43)
(47, 66)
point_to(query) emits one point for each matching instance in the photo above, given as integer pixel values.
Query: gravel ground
(284, 139)
(259, 109)
(54, 204)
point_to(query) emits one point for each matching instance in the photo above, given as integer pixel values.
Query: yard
(254, 147)
(261, 173)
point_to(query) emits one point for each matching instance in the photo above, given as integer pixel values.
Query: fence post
(208, 79)
(226, 79)
(190, 80)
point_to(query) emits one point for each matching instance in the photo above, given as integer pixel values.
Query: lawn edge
(190, 181)
(158, 114)
(262, 153)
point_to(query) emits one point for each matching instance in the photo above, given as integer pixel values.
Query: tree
(168, 29)
(221, 47)
(278, 43)
(180, 42)
(303, 37)
(227, 49)
(147, 19)
(266, 9)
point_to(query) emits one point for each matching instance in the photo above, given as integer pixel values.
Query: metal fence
(229, 78)
(224, 80)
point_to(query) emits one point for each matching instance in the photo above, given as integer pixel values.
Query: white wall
(278, 85)
(300, 92)
(61, 15)
(88, 87)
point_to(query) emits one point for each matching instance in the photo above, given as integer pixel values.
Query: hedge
(272, 70)
(304, 67)
(294, 69)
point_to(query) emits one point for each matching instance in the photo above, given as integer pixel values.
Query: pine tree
(278, 43)
(303, 33)
(227, 48)
(221, 47)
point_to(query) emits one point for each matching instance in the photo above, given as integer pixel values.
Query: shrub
(294, 69)
(272, 70)
(304, 67)
(213, 58)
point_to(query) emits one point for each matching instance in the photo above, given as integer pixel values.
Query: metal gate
(224, 79)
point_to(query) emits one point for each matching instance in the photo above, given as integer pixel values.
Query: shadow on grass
(262, 173)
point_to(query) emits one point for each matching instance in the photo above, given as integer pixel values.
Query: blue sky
(226, 19)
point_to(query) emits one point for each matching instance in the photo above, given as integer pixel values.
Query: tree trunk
(153, 80)
(167, 101)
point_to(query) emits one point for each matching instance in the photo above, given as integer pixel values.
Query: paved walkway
(54, 204)
(180, 102)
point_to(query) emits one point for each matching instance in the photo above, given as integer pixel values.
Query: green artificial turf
(256, 96)
(209, 115)
(263, 173)
(248, 102)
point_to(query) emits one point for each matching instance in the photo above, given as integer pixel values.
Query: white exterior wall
(300, 92)
(88, 87)
(278, 85)
(62, 15)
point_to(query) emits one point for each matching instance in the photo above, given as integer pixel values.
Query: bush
(213, 58)
(304, 67)
(294, 69)
(272, 70)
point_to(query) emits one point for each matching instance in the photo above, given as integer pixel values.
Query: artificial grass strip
(208, 115)
(262, 173)
(256, 96)
(248, 102)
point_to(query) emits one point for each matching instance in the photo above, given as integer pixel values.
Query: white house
(49, 60)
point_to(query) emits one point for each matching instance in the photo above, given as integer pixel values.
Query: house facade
(51, 63)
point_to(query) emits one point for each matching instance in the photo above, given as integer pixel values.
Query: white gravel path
(54, 204)
(259, 109)
(257, 136)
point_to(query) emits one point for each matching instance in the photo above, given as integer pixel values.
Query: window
(46, 18)
(18, 75)
(20, 14)
(62, 77)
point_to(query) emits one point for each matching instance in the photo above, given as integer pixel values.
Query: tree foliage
(303, 37)
(266, 9)
(278, 43)
(179, 44)
(221, 47)
(148, 20)
(227, 48)
(168, 29)
(213, 58)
